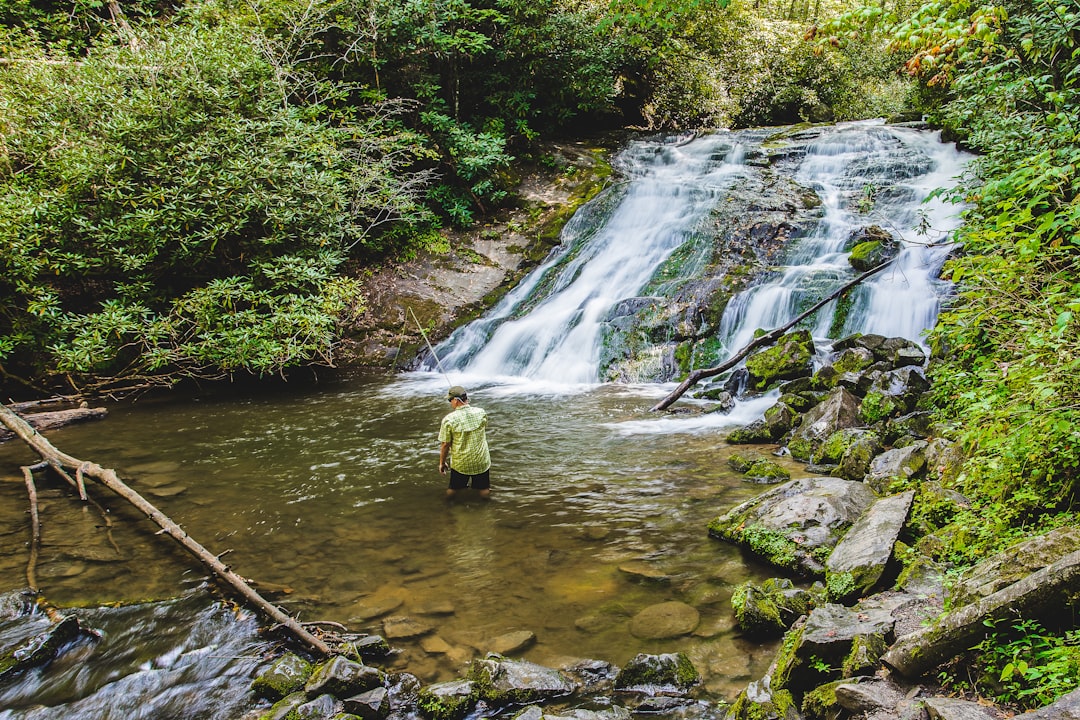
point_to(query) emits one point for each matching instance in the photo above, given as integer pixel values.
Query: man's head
(457, 393)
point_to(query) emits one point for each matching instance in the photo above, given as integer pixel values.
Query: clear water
(333, 495)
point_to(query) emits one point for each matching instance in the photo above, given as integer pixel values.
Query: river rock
(400, 627)
(342, 677)
(375, 605)
(323, 707)
(285, 675)
(611, 713)
(760, 702)
(868, 695)
(666, 674)
(779, 419)
(859, 559)
(664, 620)
(512, 642)
(1013, 564)
(640, 570)
(868, 254)
(370, 646)
(897, 464)
(39, 650)
(893, 393)
(789, 358)
(371, 705)
(752, 433)
(500, 681)
(942, 708)
(795, 525)
(447, 700)
(839, 410)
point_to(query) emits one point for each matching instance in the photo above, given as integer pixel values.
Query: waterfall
(550, 327)
(893, 170)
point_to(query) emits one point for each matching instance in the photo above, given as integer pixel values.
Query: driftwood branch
(1051, 587)
(35, 528)
(111, 480)
(767, 339)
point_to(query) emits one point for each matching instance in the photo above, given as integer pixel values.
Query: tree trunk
(925, 649)
(109, 479)
(58, 418)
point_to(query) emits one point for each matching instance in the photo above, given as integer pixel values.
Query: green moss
(800, 449)
(874, 407)
(756, 611)
(285, 675)
(787, 660)
(774, 546)
(866, 651)
(840, 585)
(820, 703)
(447, 706)
(741, 462)
(765, 469)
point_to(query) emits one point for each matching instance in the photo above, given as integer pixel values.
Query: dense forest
(193, 188)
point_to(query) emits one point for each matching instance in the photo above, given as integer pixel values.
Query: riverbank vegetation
(191, 189)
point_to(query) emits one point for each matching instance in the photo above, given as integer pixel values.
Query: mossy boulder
(868, 255)
(795, 525)
(755, 433)
(851, 450)
(767, 472)
(759, 702)
(838, 411)
(791, 357)
(740, 462)
(447, 700)
(285, 675)
(658, 674)
(501, 681)
(341, 677)
(779, 419)
(285, 708)
(769, 609)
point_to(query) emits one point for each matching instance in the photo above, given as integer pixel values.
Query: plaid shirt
(464, 429)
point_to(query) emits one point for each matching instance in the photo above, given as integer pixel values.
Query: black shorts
(460, 481)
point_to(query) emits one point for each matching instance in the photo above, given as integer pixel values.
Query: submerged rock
(39, 650)
(664, 620)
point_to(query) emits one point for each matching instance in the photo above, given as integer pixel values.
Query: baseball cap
(456, 392)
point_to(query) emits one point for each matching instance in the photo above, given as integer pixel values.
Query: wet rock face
(285, 675)
(838, 411)
(513, 682)
(859, 559)
(790, 358)
(41, 649)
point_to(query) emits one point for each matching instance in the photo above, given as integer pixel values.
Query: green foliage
(1022, 664)
(172, 207)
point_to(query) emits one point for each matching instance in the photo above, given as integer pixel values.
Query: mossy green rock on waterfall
(868, 255)
(791, 357)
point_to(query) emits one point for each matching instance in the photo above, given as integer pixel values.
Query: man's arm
(444, 454)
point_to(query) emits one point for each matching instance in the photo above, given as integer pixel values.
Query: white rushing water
(549, 329)
(896, 170)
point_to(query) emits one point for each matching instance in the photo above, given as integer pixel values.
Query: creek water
(329, 497)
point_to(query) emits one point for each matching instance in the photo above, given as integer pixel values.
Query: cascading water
(863, 174)
(550, 327)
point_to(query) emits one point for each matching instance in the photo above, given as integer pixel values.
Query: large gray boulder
(796, 525)
(837, 411)
(859, 559)
(1013, 564)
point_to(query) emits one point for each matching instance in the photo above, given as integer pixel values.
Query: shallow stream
(330, 499)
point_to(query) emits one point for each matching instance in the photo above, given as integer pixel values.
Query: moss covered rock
(666, 673)
(285, 675)
(791, 357)
(501, 681)
(868, 255)
(448, 700)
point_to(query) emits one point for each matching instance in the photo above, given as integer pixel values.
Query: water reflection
(332, 502)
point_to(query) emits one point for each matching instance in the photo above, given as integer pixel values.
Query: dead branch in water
(61, 461)
(767, 339)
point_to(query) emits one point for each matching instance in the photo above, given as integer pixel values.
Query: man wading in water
(464, 448)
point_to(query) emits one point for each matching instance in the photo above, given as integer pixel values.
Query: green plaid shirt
(464, 429)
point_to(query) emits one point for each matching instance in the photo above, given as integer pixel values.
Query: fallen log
(767, 339)
(111, 480)
(58, 418)
(1052, 586)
